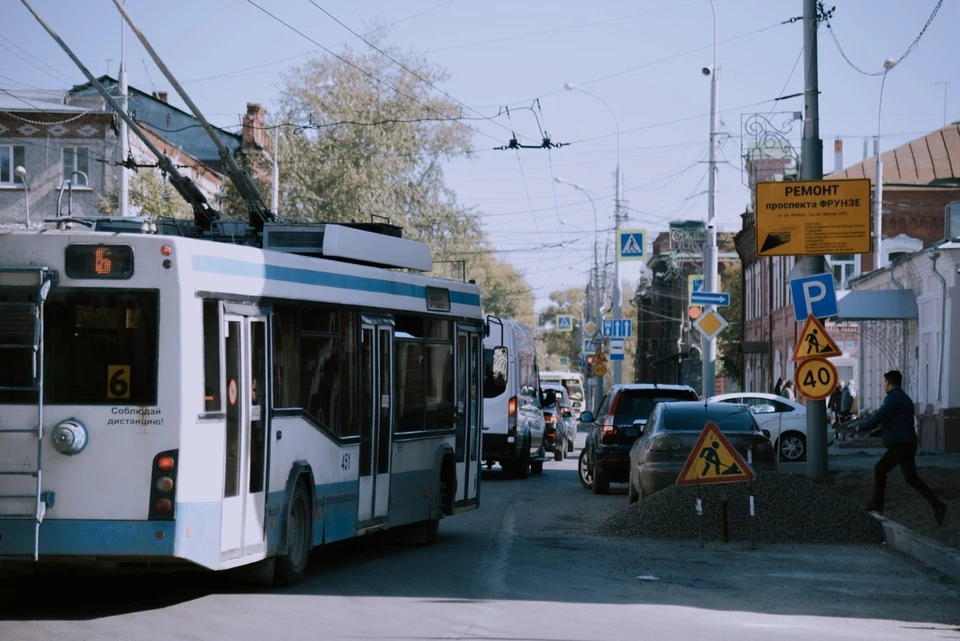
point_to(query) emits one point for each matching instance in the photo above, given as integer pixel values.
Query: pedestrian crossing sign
(564, 323)
(714, 460)
(815, 342)
(631, 243)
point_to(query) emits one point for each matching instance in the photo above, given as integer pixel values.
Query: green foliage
(150, 194)
(728, 343)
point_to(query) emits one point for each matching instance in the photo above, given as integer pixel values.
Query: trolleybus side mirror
(500, 365)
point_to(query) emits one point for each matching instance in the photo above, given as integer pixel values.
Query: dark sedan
(672, 430)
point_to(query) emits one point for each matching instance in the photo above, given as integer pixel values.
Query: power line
(906, 53)
(361, 70)
(401, 65)
(32, 64)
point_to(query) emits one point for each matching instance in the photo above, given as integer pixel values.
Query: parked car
(658, 456)
(561, 427)
(513, 423)
(784, 421)
(620, 417)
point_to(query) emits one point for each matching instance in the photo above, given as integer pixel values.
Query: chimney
(254, 136)
(838, 155)
(160, 95)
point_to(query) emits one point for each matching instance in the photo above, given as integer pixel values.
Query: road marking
(496, 575)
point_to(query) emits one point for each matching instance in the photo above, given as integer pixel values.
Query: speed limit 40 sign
(816, 378)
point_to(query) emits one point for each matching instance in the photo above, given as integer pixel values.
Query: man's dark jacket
(896, 415)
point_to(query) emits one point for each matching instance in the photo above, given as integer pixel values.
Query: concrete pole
(124, 143)
(275, 190)
(811, 168)
(878, 178)
(710, 253)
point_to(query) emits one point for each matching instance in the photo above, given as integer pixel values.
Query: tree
(150, 194)
(728, 343)
(559, 344)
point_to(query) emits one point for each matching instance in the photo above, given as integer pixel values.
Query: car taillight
(549, 418)
(512, 415)
(163, 481)
(665, 443)
(606, 425)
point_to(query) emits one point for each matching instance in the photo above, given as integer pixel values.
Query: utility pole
(710, 253)
(617, 294)
(275, 189)
(124, 143)
(945, 85)
(811, 168)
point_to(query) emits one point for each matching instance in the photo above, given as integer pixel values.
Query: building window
(843, 267)
(748, 293)
(11, 157)
(76, 159)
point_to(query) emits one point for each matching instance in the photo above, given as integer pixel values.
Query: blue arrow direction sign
(613, 328)
(720, 299)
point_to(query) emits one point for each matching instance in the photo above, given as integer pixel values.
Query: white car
(784, 420)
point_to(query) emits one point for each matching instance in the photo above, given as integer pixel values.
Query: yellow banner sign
(813, 217)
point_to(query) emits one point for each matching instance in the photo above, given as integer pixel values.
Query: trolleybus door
(468, 414)
(244, 499)
(376, 428)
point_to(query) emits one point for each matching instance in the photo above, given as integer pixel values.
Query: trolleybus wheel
(292, 566)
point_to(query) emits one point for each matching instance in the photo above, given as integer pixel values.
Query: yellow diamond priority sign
(710, 324)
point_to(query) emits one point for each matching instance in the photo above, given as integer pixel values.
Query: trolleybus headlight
(162, 506)
(164, 483)
(69, 437)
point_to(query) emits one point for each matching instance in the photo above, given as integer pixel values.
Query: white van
(513, 424)
(573, 383)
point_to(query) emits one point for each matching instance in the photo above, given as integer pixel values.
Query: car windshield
(573, 389)
(636, 405)
(693, 420)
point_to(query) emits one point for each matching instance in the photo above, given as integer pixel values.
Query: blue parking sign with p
(814, 295)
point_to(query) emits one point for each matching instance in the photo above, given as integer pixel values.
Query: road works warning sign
(714, 460)
(815, 218)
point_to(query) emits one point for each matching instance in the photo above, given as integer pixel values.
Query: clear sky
(642, 58)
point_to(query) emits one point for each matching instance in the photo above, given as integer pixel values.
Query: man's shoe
(940, 513)
(873, 507)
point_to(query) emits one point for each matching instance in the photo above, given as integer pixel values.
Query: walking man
(900, 439)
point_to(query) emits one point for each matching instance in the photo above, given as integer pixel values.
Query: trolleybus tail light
(166, 250)
(163, 486)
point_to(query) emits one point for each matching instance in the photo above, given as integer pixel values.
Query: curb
(921, 548)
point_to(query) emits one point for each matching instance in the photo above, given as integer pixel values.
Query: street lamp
(710, 253)
(617, 296)
(21, 173)
(594, 279)
(888, 64)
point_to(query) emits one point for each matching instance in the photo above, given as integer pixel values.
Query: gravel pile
(788, 508)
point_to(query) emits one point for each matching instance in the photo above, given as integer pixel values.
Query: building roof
(37, 100)
(928, 160)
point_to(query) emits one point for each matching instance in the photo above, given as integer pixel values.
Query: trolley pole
(811, 168)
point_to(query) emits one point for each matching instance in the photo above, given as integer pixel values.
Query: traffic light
(694, 311)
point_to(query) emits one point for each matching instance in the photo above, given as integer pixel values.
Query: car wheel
(792, 447)
(601, 482)
(632, 495)
(583, 466)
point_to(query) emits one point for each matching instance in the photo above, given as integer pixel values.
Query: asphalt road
(522, 567)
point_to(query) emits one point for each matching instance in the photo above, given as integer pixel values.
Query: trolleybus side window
(212, 398)
(100, 348)
(317, 368)
(424, 374)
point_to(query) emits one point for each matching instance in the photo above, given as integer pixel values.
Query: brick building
(920, 178)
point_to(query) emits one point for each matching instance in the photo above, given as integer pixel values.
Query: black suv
(617, 425)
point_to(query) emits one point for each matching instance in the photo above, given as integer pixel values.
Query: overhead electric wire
(363, 71)
(910, 49)
(32, 64)
(405, 67)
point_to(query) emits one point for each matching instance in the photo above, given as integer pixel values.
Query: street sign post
(717, 299)
(617, 349)
(613, 328)
(631, 244)
(815, 342)
(813, 217)
(564, 323)
(710, 324)
(814, 295)
(816, 378)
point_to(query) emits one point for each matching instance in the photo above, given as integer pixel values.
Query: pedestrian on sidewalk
(900, 438)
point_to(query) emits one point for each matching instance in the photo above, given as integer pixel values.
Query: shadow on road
(537, 533)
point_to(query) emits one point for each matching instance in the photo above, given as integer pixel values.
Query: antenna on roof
(203, 213)
(258, 210)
